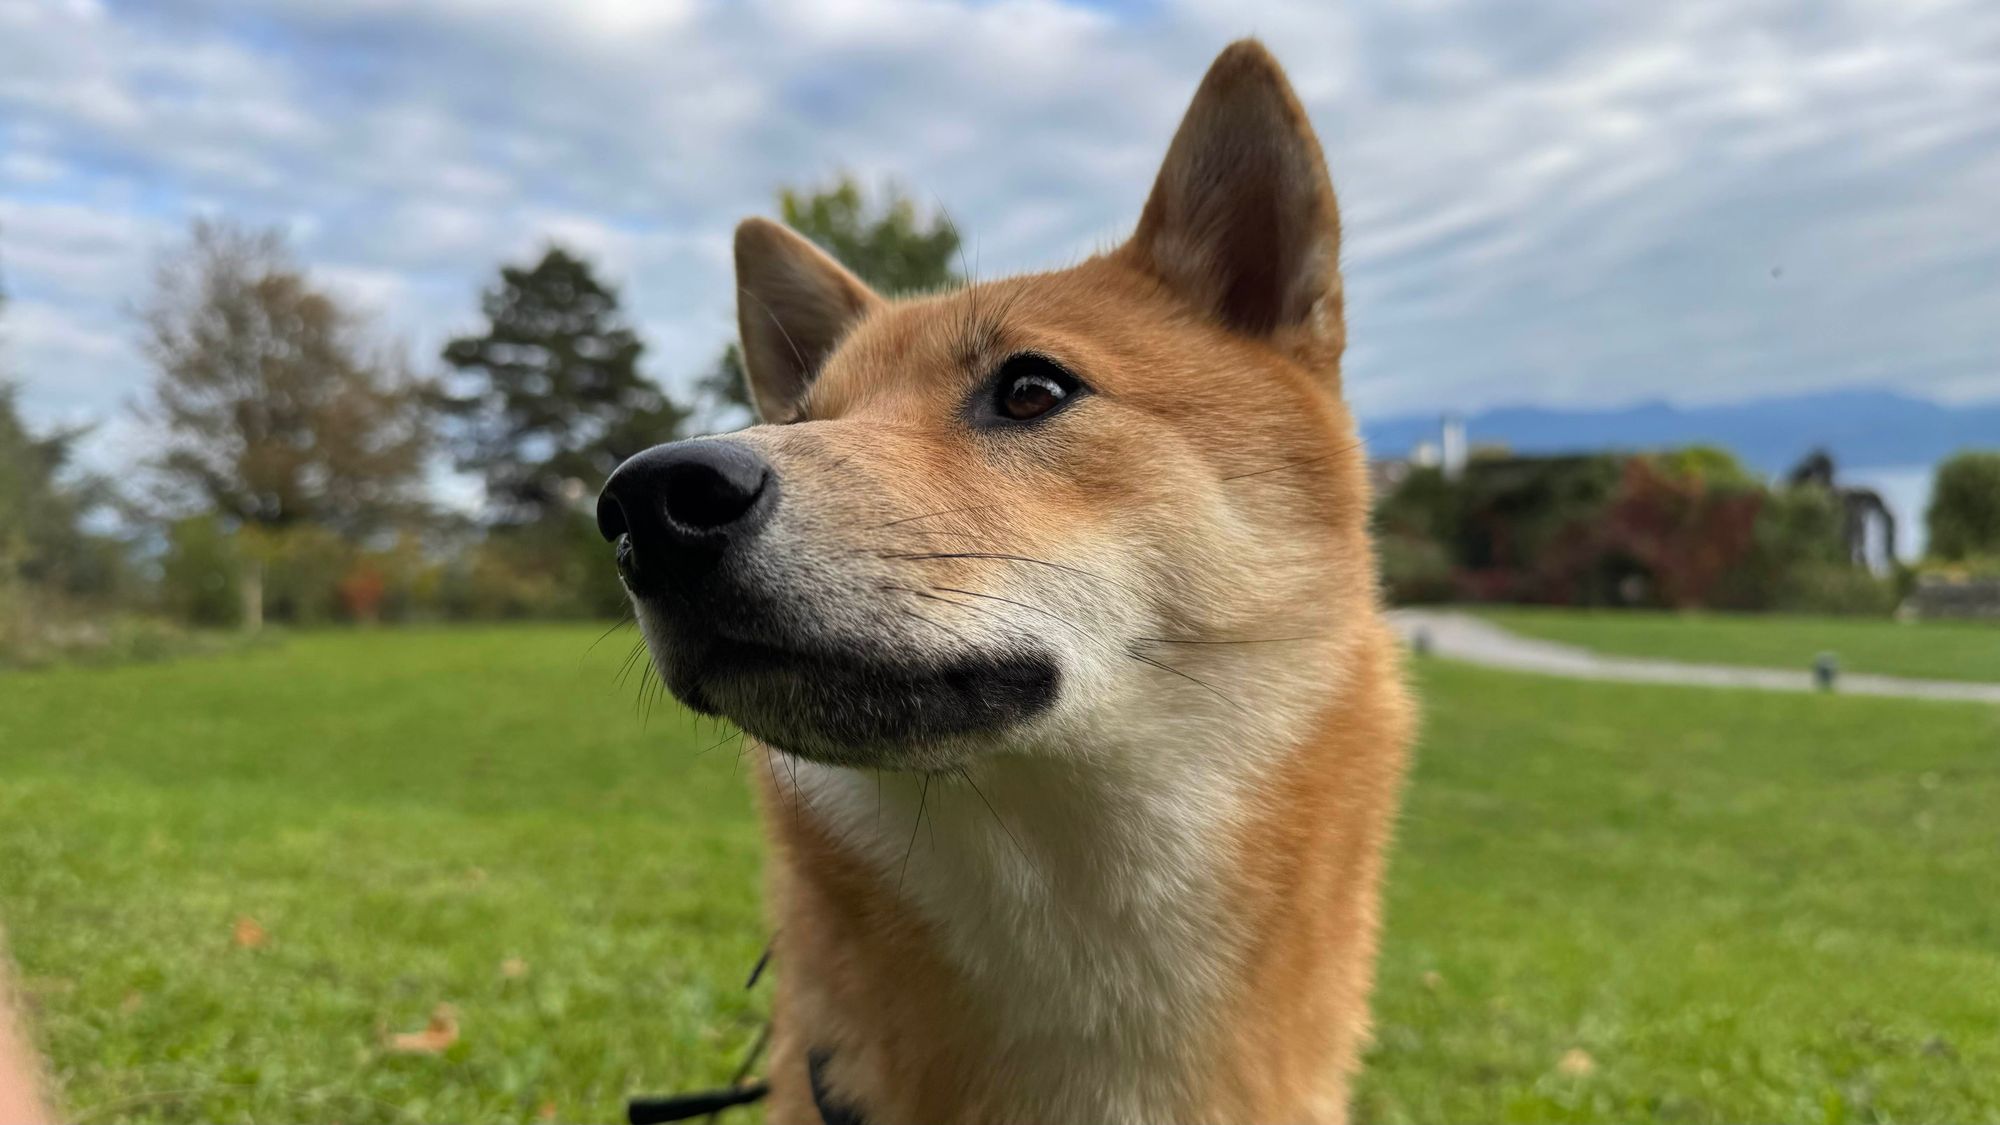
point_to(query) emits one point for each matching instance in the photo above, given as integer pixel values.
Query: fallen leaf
(1433, 980)
(514, 968)
(547, 1112)
(134, 1000)
(248, 934)
(440, 1033)
(1576, 1062)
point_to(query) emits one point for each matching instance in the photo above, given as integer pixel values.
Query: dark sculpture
(1858, 506)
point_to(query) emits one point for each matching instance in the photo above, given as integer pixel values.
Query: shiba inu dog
(1050, 612)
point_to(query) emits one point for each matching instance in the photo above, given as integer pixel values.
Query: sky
(1570, 204)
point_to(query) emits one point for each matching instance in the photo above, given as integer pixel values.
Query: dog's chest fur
(1085, 939)
(1088, 926)
(1052, 940)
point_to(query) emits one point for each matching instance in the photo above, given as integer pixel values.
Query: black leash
(685, 1107)
(711, 1103)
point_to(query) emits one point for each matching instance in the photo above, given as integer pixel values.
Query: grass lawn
(1609, 902)
(1935, 650)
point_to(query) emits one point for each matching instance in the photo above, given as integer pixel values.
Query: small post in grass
(1826, 669)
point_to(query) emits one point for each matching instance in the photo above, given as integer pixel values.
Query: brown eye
(1029, 386)
(1031, 396)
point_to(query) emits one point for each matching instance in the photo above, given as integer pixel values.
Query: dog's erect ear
(793, 304)
(1242, 220)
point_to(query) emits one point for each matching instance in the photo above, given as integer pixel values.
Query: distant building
(1452, 447)
(1450, 453)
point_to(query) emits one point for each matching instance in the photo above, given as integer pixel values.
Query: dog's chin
(859, 708)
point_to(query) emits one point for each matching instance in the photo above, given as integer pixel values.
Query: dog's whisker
(623, 621)
(625, 665)
(966, 773)
(798, 794)
(923, 799)
(931, 515)
(719, 743)
(996, 556)
(930, 597)
(973, 537)
(1196, 680)
(1229, 641)
(936, 624)
(1063, 621)
(770, 753)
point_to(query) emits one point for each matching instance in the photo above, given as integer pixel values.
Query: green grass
(1742, 906)
(1739, 906)
(1936, 650)
(402, 812)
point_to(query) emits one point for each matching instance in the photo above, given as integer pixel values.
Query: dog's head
(1000, 518)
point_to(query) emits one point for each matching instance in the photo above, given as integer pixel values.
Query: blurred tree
(1964, 516)
(272, 409)
(724, 394)
(1711, 464)
(44, 504)
(552, 398)
(199, 576)
(42, 541)
(888, 245)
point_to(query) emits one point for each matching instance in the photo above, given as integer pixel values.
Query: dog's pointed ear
(1242, 220)
(793, 304)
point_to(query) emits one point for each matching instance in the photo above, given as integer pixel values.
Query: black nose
(682, 504)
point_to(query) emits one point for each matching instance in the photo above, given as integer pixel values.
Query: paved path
(1462, 636)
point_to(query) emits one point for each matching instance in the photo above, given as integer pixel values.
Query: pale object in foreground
(20, 1070)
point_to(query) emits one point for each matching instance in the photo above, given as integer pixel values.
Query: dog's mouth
(853, 704)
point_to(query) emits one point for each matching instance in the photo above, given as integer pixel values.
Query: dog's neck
(1066, 890)
(1080, 908)
(1087, 906)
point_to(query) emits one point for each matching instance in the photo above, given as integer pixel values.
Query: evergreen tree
(42, 508)
(888, 246)
(551, 396)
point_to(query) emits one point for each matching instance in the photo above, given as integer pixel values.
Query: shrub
(303, 565)
(560, 570)
(1415, 570)
(362, 591)
(1826, 588)
(200, 578)
(1798, 530)
(1964, 516)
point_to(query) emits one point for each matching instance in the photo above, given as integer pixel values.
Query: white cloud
(1572, 203)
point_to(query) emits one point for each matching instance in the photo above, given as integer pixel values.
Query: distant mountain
(1862, 429)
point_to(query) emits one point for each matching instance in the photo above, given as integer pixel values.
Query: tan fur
(1211, 490)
